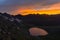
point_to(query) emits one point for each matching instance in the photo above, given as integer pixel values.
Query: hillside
(15, 28)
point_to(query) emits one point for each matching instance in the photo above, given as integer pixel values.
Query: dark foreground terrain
(16, 27)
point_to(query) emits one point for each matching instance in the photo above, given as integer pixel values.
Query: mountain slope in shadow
(16, 27)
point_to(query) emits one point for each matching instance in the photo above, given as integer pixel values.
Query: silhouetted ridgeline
(12, 28)
(16, 27)
(42, 20)
(37, 19)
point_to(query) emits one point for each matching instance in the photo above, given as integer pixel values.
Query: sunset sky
(25, 7)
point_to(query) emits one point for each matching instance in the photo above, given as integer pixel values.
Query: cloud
(28, 2)
(52, 6)
(11, 6)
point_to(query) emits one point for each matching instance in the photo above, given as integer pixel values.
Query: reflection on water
(37, 32)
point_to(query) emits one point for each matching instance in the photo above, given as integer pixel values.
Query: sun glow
(52, 9)
(30, 11)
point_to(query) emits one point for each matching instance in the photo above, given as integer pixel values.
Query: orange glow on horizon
(30, 11)
(34, 9)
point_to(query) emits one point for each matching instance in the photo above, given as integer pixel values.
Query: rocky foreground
(12, 28)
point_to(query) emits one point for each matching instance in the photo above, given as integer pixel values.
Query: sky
(29, 6)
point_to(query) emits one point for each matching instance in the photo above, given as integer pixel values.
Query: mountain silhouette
(16, 27)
